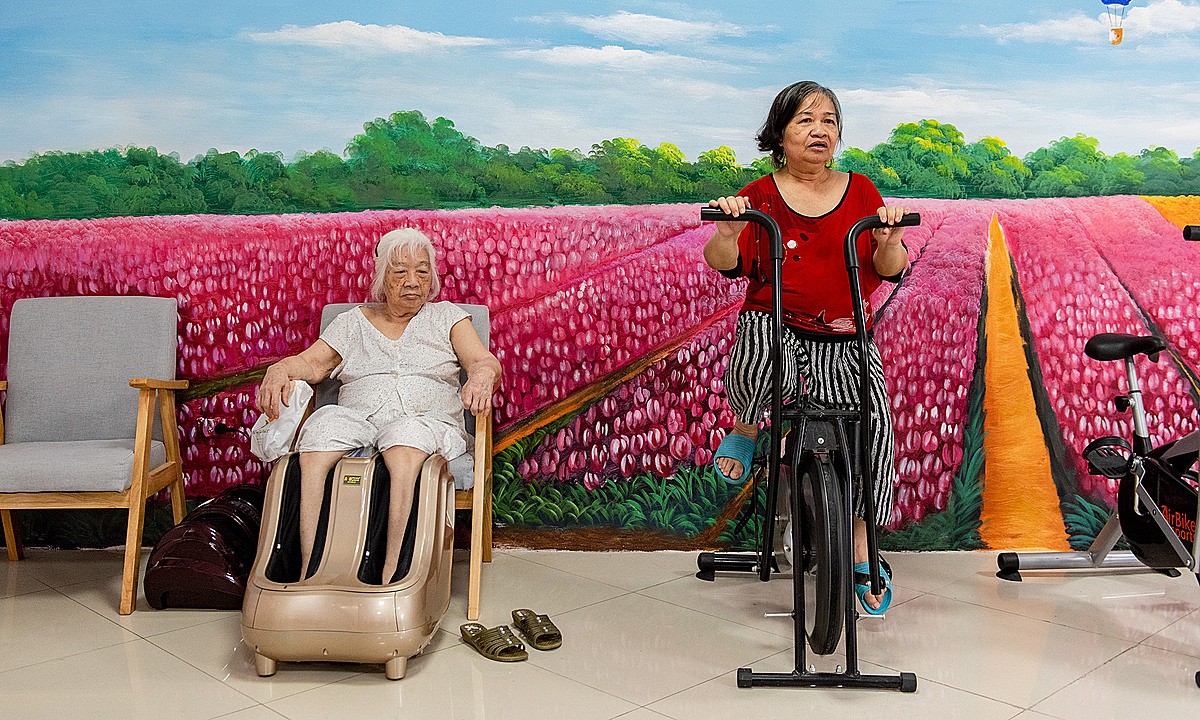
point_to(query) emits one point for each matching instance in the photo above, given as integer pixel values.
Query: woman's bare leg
(314, 468)
(860, 555)
(403, 464)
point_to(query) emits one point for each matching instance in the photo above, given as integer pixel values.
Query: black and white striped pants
(830, 374)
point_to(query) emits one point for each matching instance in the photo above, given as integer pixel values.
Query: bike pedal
(779, 614)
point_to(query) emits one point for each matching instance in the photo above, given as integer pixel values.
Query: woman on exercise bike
(815, 206)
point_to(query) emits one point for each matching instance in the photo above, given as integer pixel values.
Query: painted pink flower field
(614, 337)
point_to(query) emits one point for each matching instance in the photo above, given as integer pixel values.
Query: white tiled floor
(644, 640)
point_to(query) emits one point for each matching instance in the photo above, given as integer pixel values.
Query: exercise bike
(821, 463)
(1157, 499)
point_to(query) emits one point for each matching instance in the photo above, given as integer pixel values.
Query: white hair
(394, 242)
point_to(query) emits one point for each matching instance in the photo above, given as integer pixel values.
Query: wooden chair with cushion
(73, 433)
(472, 471)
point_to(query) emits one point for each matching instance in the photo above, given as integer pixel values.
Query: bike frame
(761, 563)
(1100, 554)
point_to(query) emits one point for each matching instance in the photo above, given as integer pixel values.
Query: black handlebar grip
(909, 220)
(713, 214)
(1191, 232)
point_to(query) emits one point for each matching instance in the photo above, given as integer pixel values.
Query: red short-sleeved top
(816, 287)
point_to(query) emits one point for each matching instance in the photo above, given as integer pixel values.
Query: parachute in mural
(1116, 10)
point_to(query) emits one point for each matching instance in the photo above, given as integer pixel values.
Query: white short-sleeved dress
(394, 392)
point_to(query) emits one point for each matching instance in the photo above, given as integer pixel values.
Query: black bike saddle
(1118, 346)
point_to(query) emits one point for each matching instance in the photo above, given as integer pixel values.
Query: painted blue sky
(306, 74)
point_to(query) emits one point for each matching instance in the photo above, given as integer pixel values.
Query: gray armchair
(73, 434)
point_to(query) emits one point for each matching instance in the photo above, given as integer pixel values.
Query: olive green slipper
(539, 630)
(496, 643)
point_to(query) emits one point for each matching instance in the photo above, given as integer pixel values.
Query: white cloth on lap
(399, 392)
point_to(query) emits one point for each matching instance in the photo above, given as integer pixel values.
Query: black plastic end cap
(1010, 566)
(908, 682)
(745, 678)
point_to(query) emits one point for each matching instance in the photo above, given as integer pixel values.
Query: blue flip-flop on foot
(737, 447)
(862, 586)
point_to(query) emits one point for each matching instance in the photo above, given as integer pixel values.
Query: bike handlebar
(775, 236)
(1191, 232)
(758, 217)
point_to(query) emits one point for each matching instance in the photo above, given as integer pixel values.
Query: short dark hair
(787, 103)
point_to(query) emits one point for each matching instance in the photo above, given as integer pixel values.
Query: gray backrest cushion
(327, 392)
(70, 360)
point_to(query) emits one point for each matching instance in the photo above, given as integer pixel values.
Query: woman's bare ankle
(741, 428)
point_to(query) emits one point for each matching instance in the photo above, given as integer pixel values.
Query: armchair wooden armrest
(152, 384)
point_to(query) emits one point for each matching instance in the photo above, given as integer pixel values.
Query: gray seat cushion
(74, 466)
(463, 470)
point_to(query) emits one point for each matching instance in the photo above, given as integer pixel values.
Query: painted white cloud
(1077, 28)
(1166, 17)
(644, 29)
(1030, 114)
(1172, 18)
(609, 57)
(349, 35)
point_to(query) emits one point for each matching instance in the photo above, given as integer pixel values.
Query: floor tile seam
(218, 679)
(160, 633)
(922, 679)
(624, 593)
(1081, 678)
(427, 651)
(261, 705)
(1156, 648)
(204, 672)
(1056, 623)
(99, 615)
(568, 572)
(43, 585)
(787, 634)
(1148, 644)
(1034, 705)
(72, 655)
(1014, 613)
(577, 681)
(693, 687)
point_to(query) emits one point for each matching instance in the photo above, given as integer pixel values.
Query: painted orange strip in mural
(1181, 210)
(1020, 502)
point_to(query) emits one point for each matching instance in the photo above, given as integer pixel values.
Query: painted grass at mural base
(613, 353)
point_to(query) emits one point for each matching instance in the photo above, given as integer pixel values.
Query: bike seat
(1118, 346)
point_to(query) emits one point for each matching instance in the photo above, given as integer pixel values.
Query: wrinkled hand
(273, 392)
(733, 205)
(890, 236)
(477, 391)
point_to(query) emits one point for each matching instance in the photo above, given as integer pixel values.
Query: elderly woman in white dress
(399, 362)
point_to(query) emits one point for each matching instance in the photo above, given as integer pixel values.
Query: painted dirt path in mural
(1020, 500)
(1078, 277)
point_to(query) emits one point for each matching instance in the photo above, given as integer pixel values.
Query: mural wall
(614, 337)
(245, 157)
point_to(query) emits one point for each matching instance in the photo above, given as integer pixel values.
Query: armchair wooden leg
(476, 565)
(133, 555)
(487, 526)
(12, 535)
(178, 499)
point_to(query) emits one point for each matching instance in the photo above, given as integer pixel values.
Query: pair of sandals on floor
(502, 645)
(741, 448)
